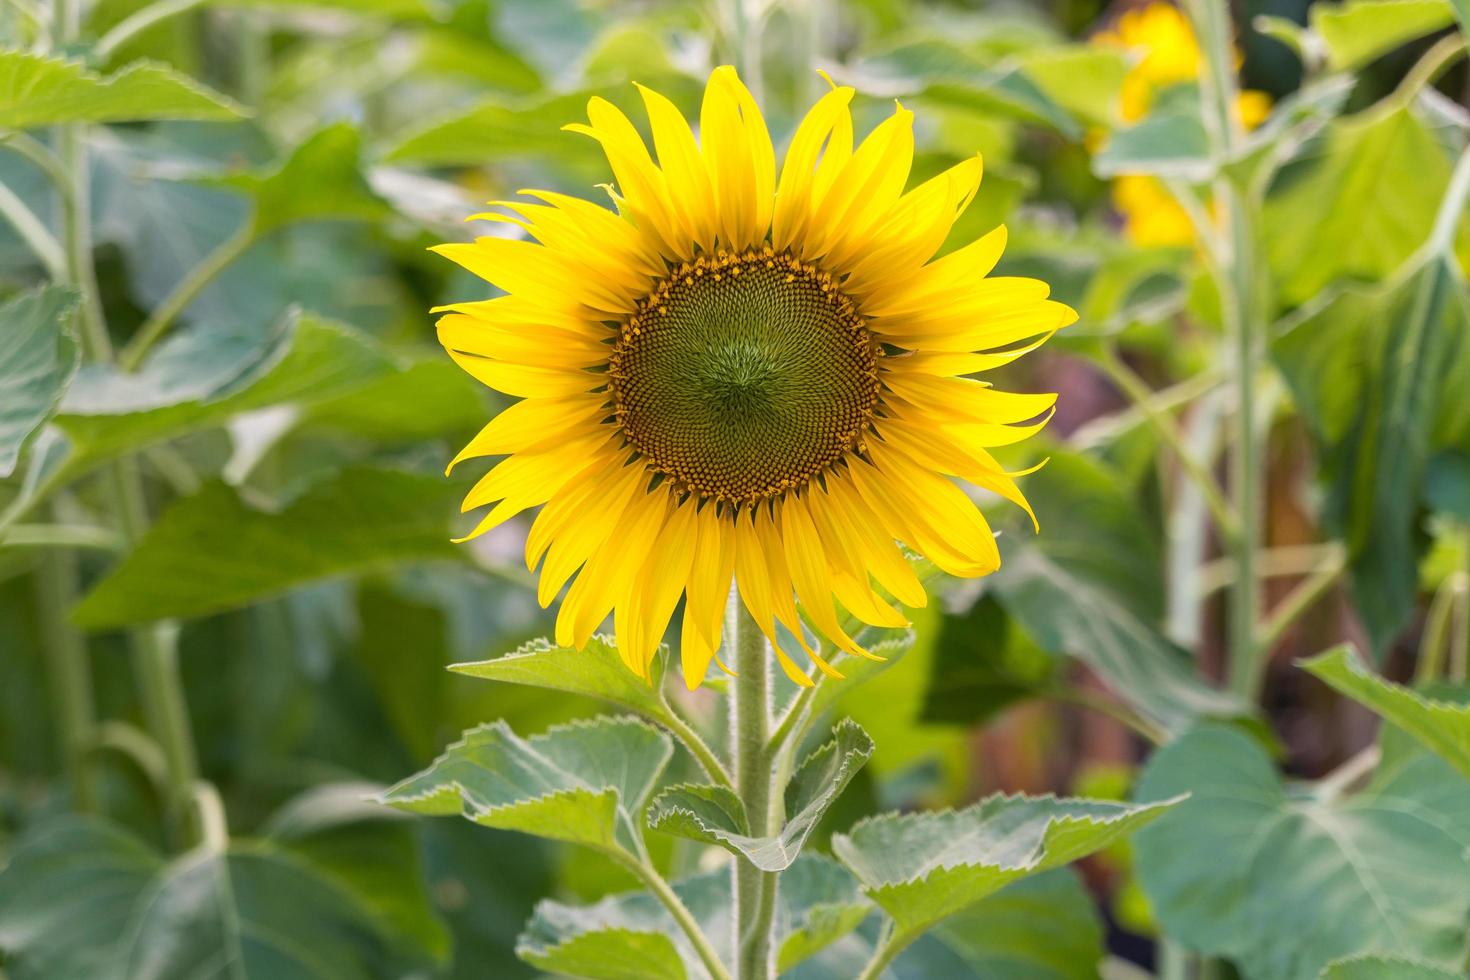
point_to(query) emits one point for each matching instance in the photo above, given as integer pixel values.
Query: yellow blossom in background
(744, 375)
(1162, 40)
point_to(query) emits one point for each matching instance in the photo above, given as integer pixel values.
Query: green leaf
(1443, 727)
(1164, 144)
(983, 665)
(1376, 377)
(1349, 189)
(817, 904)
(609, 954)
(81, 898)
(596, 671)
(715, 815)
(622, 928)
(36, 90)
(321, 180)
(372, 854)
(201, 378)
(1372, 967)
(1090, 587)
(1083, 79)
(38, 357)
(1359, 31)
(924, 867)
(360, 520)
(1045, 927)
(1243, 868)
(946, 73)
(429, 396)
(584, 783)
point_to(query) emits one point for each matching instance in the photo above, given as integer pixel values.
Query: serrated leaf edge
(1130, 810)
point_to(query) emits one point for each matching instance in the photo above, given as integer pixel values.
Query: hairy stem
(676, 908)
(750, 725)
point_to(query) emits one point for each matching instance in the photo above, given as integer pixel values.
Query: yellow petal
(523, 381)
(645, 193)
(690, 189)
(794, 195)
(610, 570)
(532, 423)
(740, 159)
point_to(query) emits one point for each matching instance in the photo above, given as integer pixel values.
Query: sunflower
(735, 377)
(1167, 53)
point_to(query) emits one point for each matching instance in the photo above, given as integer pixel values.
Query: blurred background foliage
(257, 206)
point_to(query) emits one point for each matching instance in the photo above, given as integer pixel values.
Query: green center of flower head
(742, 376)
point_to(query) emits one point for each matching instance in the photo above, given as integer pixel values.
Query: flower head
(740, 377)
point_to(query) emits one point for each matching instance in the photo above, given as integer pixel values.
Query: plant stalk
(64, 651)
(1236, 279)
(750, 726)
(155, 657)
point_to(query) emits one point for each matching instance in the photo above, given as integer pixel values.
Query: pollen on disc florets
(744, 375)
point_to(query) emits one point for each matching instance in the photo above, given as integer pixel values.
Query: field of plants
(734, 489)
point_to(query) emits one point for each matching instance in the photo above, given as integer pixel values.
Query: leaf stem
(890, 944)
(61, 536)
(1451, 209)
(676, 908)
(42, 243)
(135, 24)
(39, 154)
(1137, 392)
(697, 746)
(1298, 601)
(187, 290)
(71, 679)
(1106, 706)
(750, 722)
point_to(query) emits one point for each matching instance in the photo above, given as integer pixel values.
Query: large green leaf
(321, 180)
(1441, 726)
(922, 868)
(1045, 927)
(1371, 967)
(1090, 587)
(361, 520)
(983, 664)
(371, 853)
(36, 90)
(81, 900)
(1371, 185)
(584, 783)
(715, 815)
(1376, 376)
(1283, 881)
(1358, 31)
(201, 378)
(38, 356)
(632, 937)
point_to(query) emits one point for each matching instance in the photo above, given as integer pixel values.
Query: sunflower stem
(71, 677)
(750, 726)
(1236, 276)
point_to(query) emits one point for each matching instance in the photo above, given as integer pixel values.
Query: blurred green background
(289, 431)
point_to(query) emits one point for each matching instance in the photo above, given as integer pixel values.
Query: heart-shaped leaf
(924, 867)
(1245, 867)
(585, 782)
(81, 898)
(715, 815)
